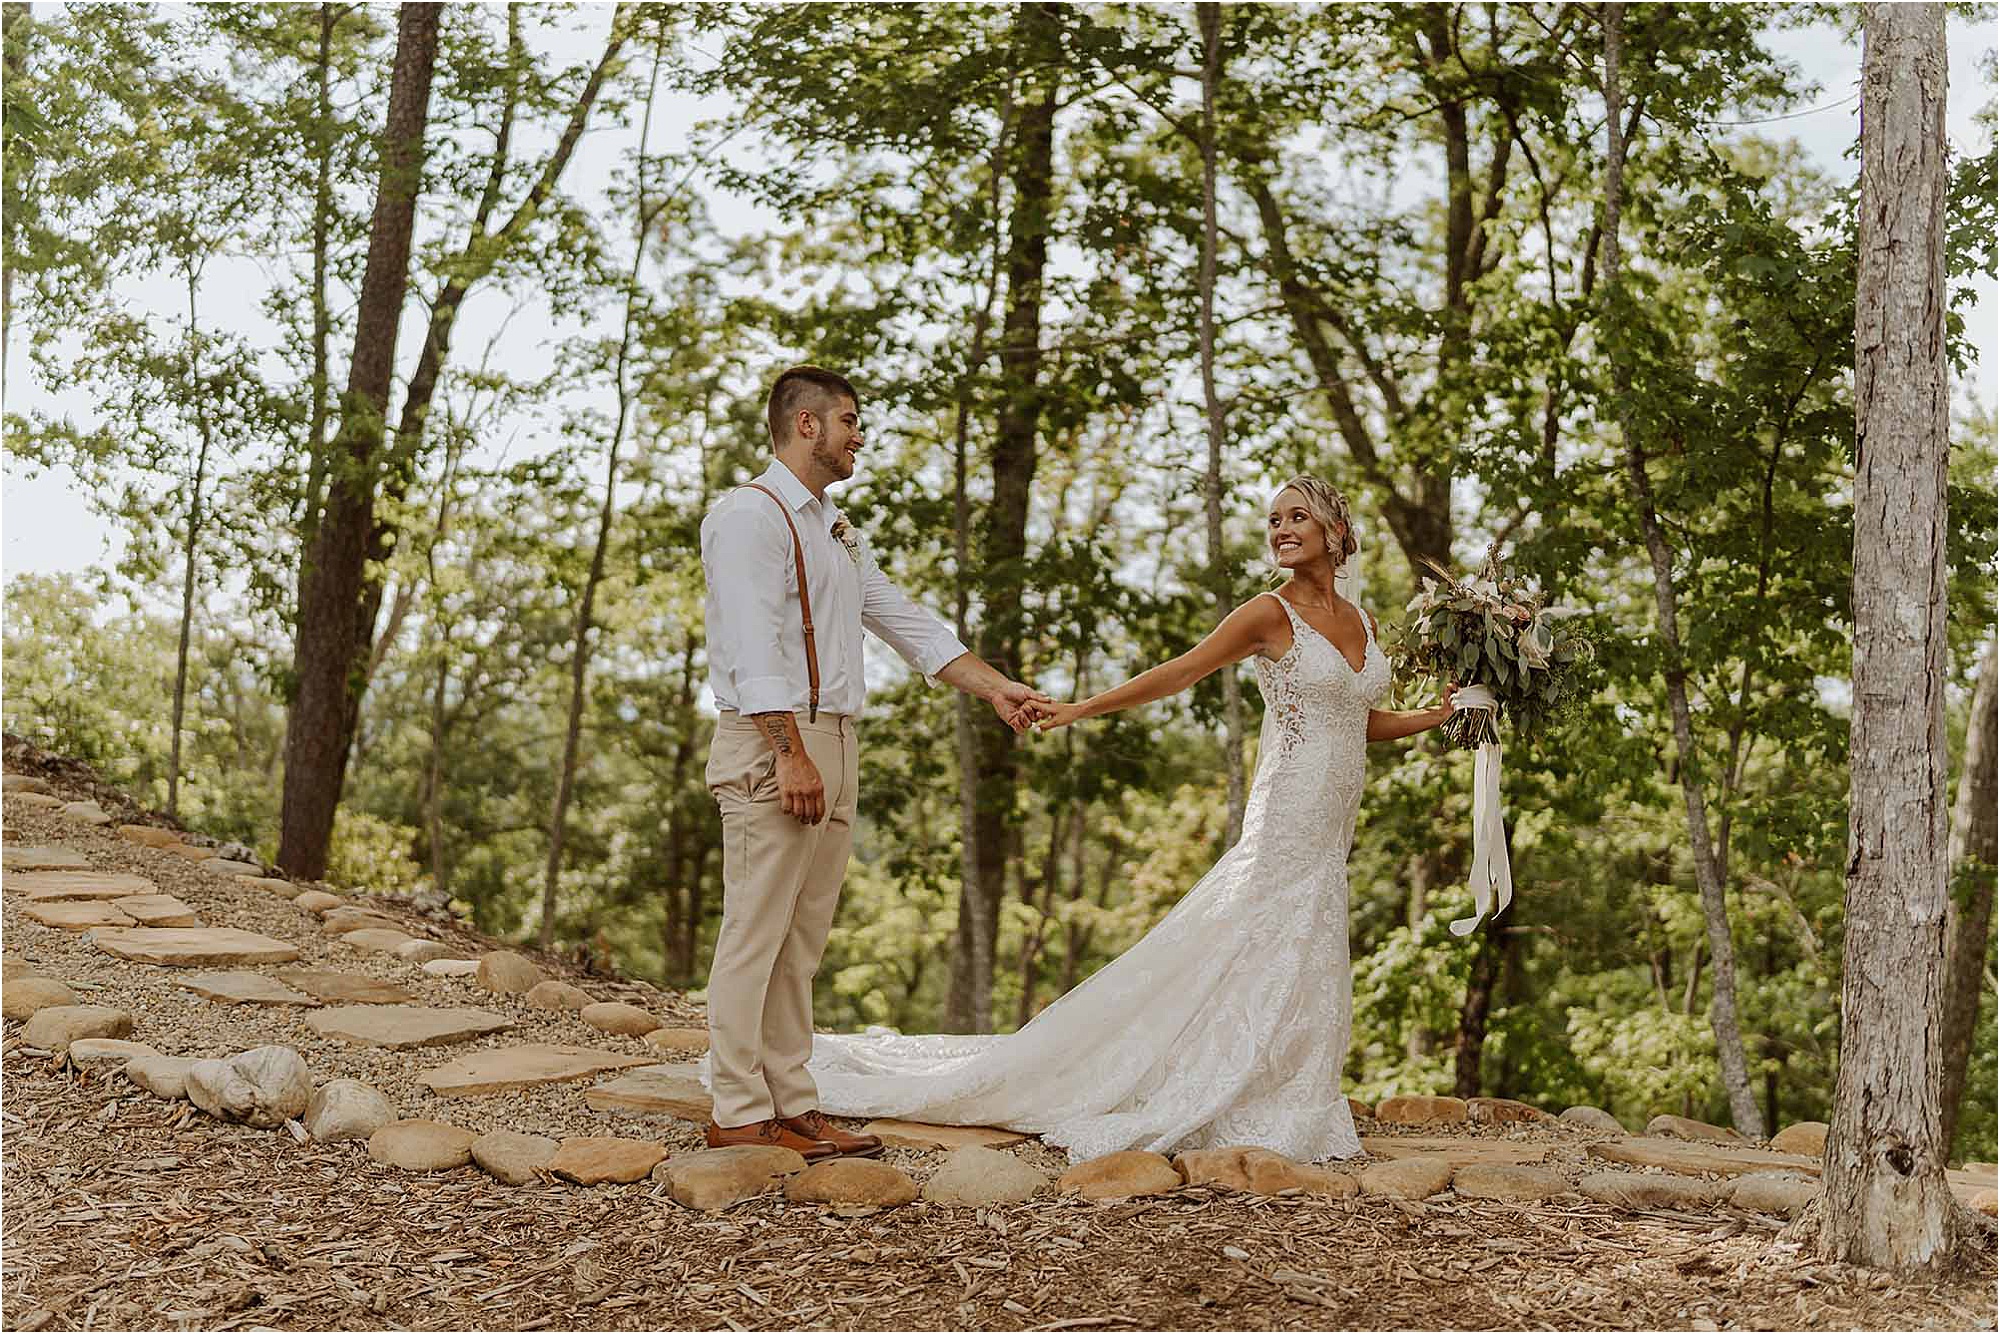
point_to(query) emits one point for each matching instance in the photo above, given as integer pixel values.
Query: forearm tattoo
(774, 728)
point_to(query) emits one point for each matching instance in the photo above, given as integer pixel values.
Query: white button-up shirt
(756, 637)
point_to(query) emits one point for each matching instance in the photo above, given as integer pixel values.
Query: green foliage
(371, 854)
(1459, 395)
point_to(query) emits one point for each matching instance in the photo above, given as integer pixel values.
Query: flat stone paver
(522, 1067)
(37, 800)
(58, 886)
(67, 916)
(284, 889)
(157, 910)
(678, 1043)
(147, 835)
(17, 857)
(1458, 1151)
(674, 1090)
(244, 989)
(192, 946)
(1419, 1109)
(917, 1135)
(347, 918)
(1693, 1159)
(346, 988)
(401, 1027)
(376, 940)
(190, 852)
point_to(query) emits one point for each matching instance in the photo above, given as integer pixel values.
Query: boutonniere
(847, 538)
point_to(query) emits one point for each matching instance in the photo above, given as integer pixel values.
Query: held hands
(1020, 706)
(1060, 715)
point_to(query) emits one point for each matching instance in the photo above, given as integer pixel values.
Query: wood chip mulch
(124, 1211)
(120, 1210)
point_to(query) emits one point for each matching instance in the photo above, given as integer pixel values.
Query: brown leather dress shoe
(814, 1125)
(770, 1132)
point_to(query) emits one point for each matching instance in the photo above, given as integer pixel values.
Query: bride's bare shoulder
(1267, 628)
(1265, 610)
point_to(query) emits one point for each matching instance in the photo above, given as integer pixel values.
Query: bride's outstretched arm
(1244, 631)
(1395, 724)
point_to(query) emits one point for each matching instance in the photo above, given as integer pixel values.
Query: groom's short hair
(803, 388)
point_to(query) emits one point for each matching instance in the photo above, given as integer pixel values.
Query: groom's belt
(838, 724)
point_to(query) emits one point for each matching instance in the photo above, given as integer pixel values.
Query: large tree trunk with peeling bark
(1887, 1202)
(1974, 854)
(1709, 872)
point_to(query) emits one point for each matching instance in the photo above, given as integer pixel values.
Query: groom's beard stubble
(836, 461)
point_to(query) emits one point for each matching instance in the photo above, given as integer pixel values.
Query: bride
(1227, 1024)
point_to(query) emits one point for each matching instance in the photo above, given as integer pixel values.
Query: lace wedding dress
(1228, 1022)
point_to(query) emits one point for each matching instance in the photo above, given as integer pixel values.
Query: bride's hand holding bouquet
(1497, 638)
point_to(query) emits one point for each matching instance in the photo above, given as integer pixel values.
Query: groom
(791, 586)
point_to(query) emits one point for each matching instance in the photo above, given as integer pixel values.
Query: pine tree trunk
(969, 1004)
(1974, 853)
(1887, 1203)
(325, 664)
(1709, 877)
(1209, 16)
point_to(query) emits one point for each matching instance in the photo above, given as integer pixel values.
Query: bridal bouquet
(1493, 633)
(1507, 650)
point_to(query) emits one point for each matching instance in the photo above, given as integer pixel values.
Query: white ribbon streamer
(1492, 877)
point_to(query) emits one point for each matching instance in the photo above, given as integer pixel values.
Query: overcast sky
(49, 524)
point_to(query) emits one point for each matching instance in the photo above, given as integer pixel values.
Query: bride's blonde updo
(1329, 507)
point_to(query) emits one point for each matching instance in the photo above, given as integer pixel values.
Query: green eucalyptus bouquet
(1495, 631)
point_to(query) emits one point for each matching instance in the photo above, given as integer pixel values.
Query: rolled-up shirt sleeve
(746, 554)
(888, 613)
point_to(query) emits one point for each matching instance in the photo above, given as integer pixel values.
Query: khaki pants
(780, 884)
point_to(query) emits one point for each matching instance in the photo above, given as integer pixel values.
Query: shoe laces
(813, 1121)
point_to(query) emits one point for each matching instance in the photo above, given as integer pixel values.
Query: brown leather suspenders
(805, 599)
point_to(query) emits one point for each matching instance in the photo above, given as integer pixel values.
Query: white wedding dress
(1227, 1024)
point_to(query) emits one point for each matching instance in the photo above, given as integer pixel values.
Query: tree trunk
(579, 659)
(1487, 958)
(1887, 1203)
(1974, 853)
(434, 769)
(325, 664)
(1708, 871)
(475, 261)
(322, 310)
(969, 1006)
(964, 737)
(205, 433)
(1209, 16)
